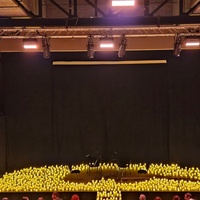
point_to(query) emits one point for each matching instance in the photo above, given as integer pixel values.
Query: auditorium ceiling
(149, 25)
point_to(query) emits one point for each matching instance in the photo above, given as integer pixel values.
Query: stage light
(122, 47)
(90, 47)
(106, 42)
(177, 46)
(30, 43)
(122, 3)
(192, 42)
(46, 47)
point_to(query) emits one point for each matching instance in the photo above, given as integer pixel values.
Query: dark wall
(59, 114)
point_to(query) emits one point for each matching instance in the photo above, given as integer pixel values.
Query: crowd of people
(187, 196)
(55, 196)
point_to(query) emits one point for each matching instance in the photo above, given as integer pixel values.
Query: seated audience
(25, 198)
(75, 197)
(142, 197)
(176, 197)
(157, 198)
(187, 196)
(55, 196)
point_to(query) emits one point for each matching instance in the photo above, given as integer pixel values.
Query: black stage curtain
(137, 113)
(184, 108)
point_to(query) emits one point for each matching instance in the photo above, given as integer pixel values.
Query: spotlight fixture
(122, 3)
(90, 47)
(30, 43)
(46, 47)
(177, 46)
(186, 40)
(192, 42)
(106, 42)
(122, 47)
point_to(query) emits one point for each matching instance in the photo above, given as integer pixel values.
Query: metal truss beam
(159, 7)
(28, 12)
(99, 22)
(60, 7)
(191, 10)
(183, 11)
(146, 7)
(75, 8)
(98, 32)
(181, 7)
(95, 7)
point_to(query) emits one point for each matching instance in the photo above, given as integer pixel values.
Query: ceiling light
(106, 42)
(30, 44)
(46, 47)
(122, 47)
(192, 42)
(123, 3)
(90, 47)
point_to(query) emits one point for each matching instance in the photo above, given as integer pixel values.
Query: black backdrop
(59, 114)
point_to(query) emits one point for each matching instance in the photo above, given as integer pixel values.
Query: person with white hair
(40, 198)
(176, 197)
(142, 197)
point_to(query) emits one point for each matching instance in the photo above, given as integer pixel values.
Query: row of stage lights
(181, 40)
(107, 42)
